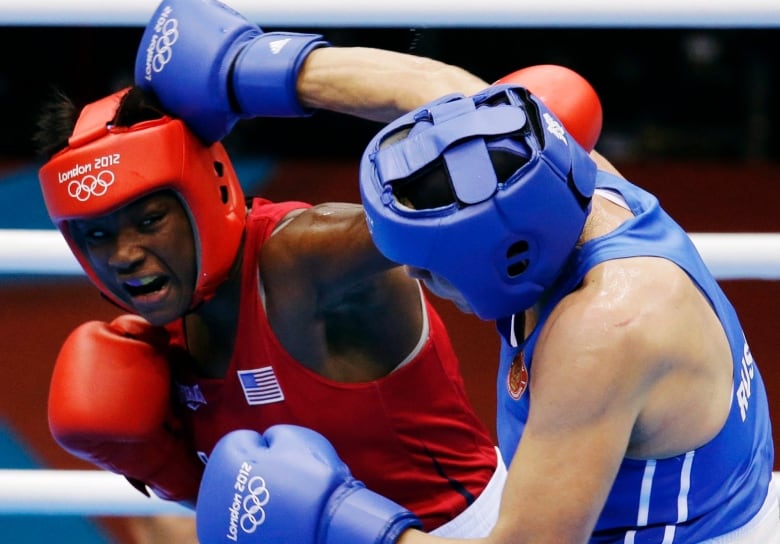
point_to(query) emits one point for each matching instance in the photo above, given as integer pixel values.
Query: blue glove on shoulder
(211, 67)
(289, 485)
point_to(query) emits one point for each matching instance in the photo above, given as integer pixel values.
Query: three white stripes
(644, 499)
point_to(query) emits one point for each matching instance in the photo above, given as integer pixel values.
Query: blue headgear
(489, 192)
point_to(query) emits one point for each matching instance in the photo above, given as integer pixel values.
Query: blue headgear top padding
(489, 192)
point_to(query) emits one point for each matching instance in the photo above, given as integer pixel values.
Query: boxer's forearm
(376, 84)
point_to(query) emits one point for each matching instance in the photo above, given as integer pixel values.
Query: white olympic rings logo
(163, 49)
(91, 185)
(253, 504)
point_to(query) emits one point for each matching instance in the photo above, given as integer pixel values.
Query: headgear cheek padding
(500, 242)
(105, 168)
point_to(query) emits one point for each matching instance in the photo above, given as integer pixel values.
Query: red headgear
(106, 167)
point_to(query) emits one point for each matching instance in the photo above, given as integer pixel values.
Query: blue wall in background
(40, 529)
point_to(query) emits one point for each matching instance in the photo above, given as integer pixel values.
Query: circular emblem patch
(517, 380)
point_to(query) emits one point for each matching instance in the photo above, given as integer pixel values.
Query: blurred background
(691, 114)
(679, 93)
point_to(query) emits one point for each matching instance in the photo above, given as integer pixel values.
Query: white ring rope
(85, 493)
(36, 252)
(434, 13)
(77, 492)
(728, 255)
(740, 256)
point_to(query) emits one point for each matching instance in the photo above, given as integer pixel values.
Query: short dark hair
(59, 114)
(54, 125)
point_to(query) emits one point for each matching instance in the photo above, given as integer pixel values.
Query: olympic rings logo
(91, 185)
(163, 47)
(253, 503)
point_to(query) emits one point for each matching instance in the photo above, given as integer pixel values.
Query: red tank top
(411, 436)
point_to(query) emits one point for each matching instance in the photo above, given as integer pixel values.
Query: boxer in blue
(629, 403)
(630, 407)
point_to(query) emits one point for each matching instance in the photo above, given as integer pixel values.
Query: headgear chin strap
(502, 237)
(105, 168)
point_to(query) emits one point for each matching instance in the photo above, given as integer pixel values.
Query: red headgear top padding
(106, 167)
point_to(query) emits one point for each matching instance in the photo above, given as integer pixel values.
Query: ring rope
(728, 255)
(84, 492)
(77, 492)
(434, 13)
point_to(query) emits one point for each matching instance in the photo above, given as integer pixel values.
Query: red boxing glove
(568, 95)
(109, 404)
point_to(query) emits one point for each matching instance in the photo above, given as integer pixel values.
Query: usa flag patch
(260, 386)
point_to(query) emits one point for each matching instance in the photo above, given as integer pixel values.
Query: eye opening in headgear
(78, 226)
(431, 187)
(427, 188)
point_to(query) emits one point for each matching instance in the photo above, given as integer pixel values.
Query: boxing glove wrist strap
(357, 514)
(265, 74)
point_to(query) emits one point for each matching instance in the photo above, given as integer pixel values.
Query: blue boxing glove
(289, 485)
(211, 67)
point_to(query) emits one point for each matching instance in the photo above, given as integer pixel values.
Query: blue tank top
(688, 498)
